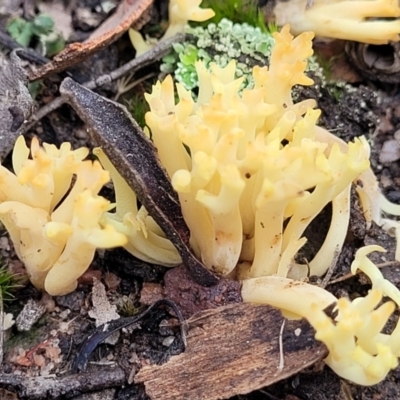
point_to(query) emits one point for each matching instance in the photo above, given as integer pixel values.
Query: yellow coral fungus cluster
(252, 171)
(256, 176)
(55, 228)
(367, 21)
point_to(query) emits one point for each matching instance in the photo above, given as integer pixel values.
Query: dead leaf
(102, 311)
(333, 54)
(128, 12)
(376, 63)
(233, 350)
(30, 314)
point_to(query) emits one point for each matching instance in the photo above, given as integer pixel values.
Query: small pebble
(74, 301)
(168, 341)
(64, 314)
(396, 135)
(4, 243)
(30, 314)
(390, 151)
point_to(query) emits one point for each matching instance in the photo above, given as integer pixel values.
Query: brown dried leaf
(128, 12)
(333, 54)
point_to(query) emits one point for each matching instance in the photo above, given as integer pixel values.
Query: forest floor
(37, 363)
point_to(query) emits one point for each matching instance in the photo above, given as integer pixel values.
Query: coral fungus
(367, 21)
(146, 240)
(254, 163)
(358, 350)
(55, 229)
(252, 171)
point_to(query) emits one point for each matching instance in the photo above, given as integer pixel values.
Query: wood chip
(233, 350)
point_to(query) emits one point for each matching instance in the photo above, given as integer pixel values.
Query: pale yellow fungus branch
(367, 21)
(180, 12)
(145, 239)
(358, 350)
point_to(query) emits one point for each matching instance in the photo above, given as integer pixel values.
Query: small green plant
(237, 11)
(40, 32)
(8, 283)
(126, 306)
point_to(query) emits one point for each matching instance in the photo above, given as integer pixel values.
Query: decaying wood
(233, 350)
(60, 388)
(192, 298)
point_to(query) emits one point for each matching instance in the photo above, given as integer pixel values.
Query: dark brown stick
(54, 387)
(159, 51)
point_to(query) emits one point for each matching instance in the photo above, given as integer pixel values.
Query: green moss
(248, 45)
(31, 338)
(138, 107)
(126, 307)
(237, 11)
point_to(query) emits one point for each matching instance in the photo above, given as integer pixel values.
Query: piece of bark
(60, 387)
(128, 12)
(233, 350)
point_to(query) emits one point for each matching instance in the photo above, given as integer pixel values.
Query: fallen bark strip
(65, 387)
(233, 350)
(128, 12)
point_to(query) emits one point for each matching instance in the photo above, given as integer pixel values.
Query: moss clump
(138, 108)
(219, 43)
(237, 11)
